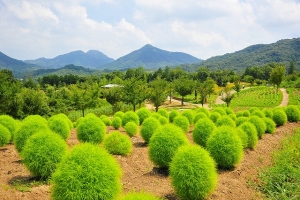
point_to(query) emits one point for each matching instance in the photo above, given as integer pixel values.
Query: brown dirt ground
(140, 174)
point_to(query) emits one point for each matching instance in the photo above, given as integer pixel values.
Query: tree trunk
(134, 107)
(82, 112)
(182, 100)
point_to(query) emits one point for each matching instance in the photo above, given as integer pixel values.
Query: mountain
(92, 59)
(18, 67)
(283, 51)
(150, 57)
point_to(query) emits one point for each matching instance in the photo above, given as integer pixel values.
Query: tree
(205, 89)
(277, 75)
(291, 67)
(228, 95)
(184, 87)
(157, 92)
(237, 86)
(202, 74)
(249, 79)
(113, 96)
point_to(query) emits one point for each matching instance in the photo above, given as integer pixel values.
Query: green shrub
(182, 122)
(105, 119)
(131, 128)
(163, 112)
(203, 110)
(240, 114)
(116, 122)
(143, 113)
(268, 113)
(139, 196)
(119, 114)
(130, 116)
(91, 129)
(199, 115)
(243, 136)
(10, 123)
(214, 116)
(279, 117)
(225, 147)
(259, 124)
(172, 115)
(252, 109)
(164, 143)
(42, 153)
(29, 126)
(87, 172)
(148, 128)
(189, 114)
(193, 173)
(202, 130)
(241, 120)
(78, 121)
(219, 110)
(293, 113)
(225, 121)
(232, 116)
(155, 115)
(250, 130)
(163, 120)
(5, 135)
(258, 113)
(228, 111)
(270, 125)
(60, 126)
(118, 143)
(246, 113)
(67, 119)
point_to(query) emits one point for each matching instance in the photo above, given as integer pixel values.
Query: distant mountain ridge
(92, 59)
(151, 57)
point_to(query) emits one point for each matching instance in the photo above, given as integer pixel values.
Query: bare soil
(139, 174)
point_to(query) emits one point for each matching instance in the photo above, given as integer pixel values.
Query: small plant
(189, 114)
(105, 119)
(42, 153)
(214, 116)
(225, 147)
(131, 128)
(246, 113)
(172, 115)
(143, 113)
(202, 130)
(116, 122)
(87, 172)
(59, 126)
(228, 111)
(66, 118)
(232, 116)
(279, 117)
(204, 110)
(130, 116)
(241, 120)
(268, 113)
(155, 115)
(91, 129)
(163, 112)
(219, 110)
(199, 115)
(258, 113)
(225, 121)
(118, 143)
(252, 109)
(10, 123)
(163, 120)
(139, 196)
(270, 125)
(182, 122)
(250, 130)
(193, 173)
(164, 143)
(119, 114)
(240, 114)
(243, 136)
(5, 135)
(148, 128)
(259, 124)
(292, 113)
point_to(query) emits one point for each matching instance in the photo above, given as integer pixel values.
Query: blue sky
(30, 29)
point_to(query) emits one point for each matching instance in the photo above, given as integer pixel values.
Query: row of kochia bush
(219, 139)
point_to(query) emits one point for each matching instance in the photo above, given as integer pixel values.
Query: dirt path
(285, 97)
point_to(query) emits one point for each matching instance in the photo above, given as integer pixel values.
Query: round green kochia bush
(189, 114)
(270, 125)
(252, 109)
(259, 124)
(139, 196)
(5, 135)
(193, 173)
(293, 113)
(228, 111)
(163, 112)
(87, 172)
(131, 129)
(163, 120)
(182, 122)
(232, 116)
(10, 123)
(148, 128)
(105, 119)
(59, 126)
(214, 116)
(198, 116)
(268, 113)
(78, 121)
(219, 110)
(225, 121)
(203, 110)
(241, 120)
(279, 117)
(130, 116)
(67, 119)
(246, 113)
(155, 115)
(240, 114)
(172, 115)
(116, 122)
(91, 129)
(250, 130)
(119, 114)
(42, 153)
(225, 147)
(202, 130)
(258, 113)
(243, 136)
(143, 113)
(118, 143)
(29, 126)
(164, 143)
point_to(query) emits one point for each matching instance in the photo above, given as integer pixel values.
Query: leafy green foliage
(139, 196)
(225, 147)
(10, 123)
(193, 173)
(42, 153)
(172, 115)
(279, 117)
(241, 120)
(202, 130)
(87, 172)
(163, 120)
(131, 128)
(184, 87)
(189, 114)
(292, 113)
(91, 129)
(5, 135)
(243, 136)
(143, 113)
(259, 124)
(130, 116)
(105, 119)
(268, 113)
(119, 114)
(198, 116)
(270, 125)
(277, 74)
(258, 113)
(182, 122)
(163, 112)
(118, 143)
(148, 128)
(157, 92)
(59, 125)
(116, 122)
(221, 111)
(164, 143)
(225, 121)
(203, 110)
(214, 116)
(251, 131)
